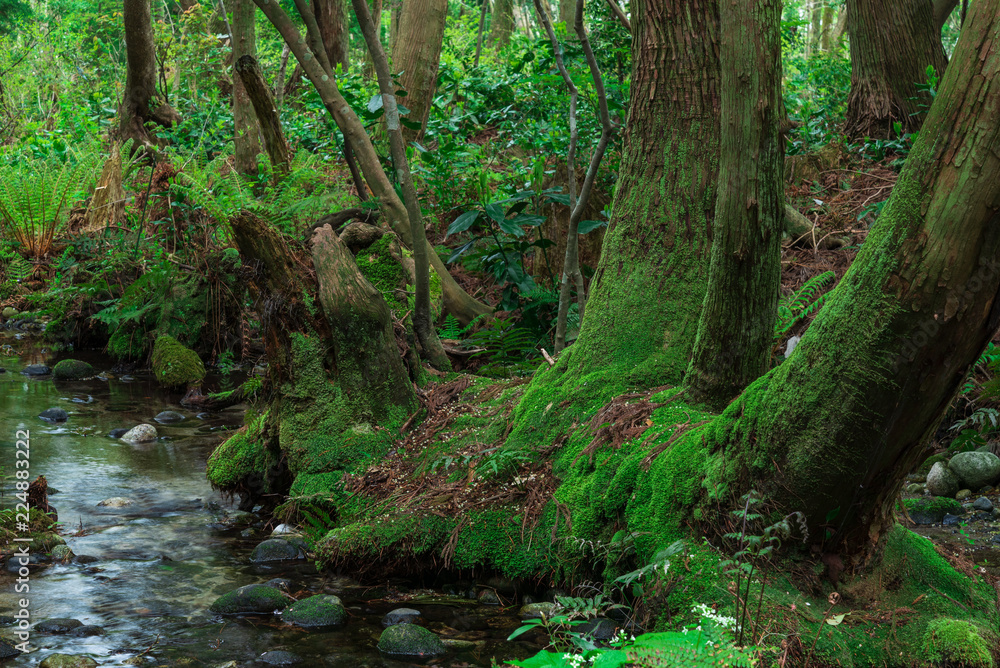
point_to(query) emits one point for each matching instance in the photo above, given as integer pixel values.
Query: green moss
(925, 468)
(935, 507)
(382, 268)
(175, 365)
(72, 370)
(243, 457)
(956, 642)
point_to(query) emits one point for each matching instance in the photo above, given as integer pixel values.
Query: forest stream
(146, 573)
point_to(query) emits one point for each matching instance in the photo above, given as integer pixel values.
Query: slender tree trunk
(247, 138)
(279, 81)
(827, 31)
(736, 330)
(251, 80)
(417, 54)
(483, 10)
(647, 293)
(892, 44)
(332, 21)
(502, 25)
(140, 103)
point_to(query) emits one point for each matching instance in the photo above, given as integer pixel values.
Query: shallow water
(163, 560)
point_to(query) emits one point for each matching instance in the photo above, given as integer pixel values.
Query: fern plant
(802, 303)
(510, 349)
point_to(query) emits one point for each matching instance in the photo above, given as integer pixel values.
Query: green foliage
(511, 350)
(802, 303)
(956, 642)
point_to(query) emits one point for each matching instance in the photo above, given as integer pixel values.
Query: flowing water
(161, 561)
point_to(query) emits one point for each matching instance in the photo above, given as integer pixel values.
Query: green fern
(511, 350)
(452, 328)
(802, 303)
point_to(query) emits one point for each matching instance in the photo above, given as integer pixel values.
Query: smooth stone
(14, 563)
(7, 651)
(280, 658)
(9, 312)
(410, 640)
(459, 645)
(963, 494)
(250, 599)
(67, 661)
(276, 549)
(71, 369)
(57, 625)
(284, 530)
(941, 481)
(536, 610)
(320, 611)
(982, 503)
(54, 415)
(87, 631)
(400, 616)
(118, 433)
(116, 502)
(599, 628)
(950, 520)
(166, 417)
(143, 433)
(62, 553)
(36, 370)
(976, 469)
(914, 488)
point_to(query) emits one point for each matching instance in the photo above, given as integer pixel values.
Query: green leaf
(543, 659)
(375, 103)
(464, 222)
(590, 225)
(836, 619)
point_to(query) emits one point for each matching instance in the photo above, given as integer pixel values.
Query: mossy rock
(250, 599)
(277, 549)
(320, 611)
(931, 461)
(67, 661)
(955, 642)
(244, 459)
(931, 510)
(175, 365)
(410, 640)
(72, 370)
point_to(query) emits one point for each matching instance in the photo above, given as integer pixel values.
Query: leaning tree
(141, 103)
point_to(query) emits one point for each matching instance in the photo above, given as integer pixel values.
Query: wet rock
(116, 502)
(599, 628)
(9, 312)
(15, 563)
(175, 365)
(143, 433)
(536, 610)
(7, 651)
(400, 616)
(982, 503)
(36, 370)
(118, 433)
(459, 645)
(950, 520)
(276, 549)
(284, 530)
(7, 620)
(914, 488)
(57, 625)
(941, 481)
(976, 469)
(54, 415)
(488, 597)
(284, 584)
(72, 370)
(916, 477)
(62, 553)
(87, 631)
(250, 599)
(168, 417)
(320, 611)
(84, 559)
(250, 533)
(410, 640)
(280, 658)
(963, 494)
(67, 661)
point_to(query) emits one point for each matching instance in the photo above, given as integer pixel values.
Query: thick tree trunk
(332, 20)
(736, 331)
(647, 293)
(892, 44)
(417, 54)
(247, 138)
(259, 95)
(827, 31)
(567, 15)
(140, 103)
(502, 25)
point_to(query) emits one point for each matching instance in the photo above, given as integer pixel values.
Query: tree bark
(567, 14)
(736, 330)
(942, 10)
(892, 44)
(252, 81)
(483, 10)
(332, 21)
(247, 138)
(140, 103)
(502, 25)
(417, 54)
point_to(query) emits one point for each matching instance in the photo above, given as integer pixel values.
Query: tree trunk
(567, 15)
(332, 20)
(247, 138)
(502, 25)
(827, 31)
(736, 330)
(647, 292)
(140, 103)
(252, 82)
(483, 10)
(417, 53)
(892, 44)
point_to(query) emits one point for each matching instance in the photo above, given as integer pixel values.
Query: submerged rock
(7, 651)
(143, 433)
(174, 365)
(410, 640)
(280, 657)
(536, 610)
(322, 610)
(57, 625)
(400, 616)
(276, 549)
(976, 469)
(941, 481)
(116, 502)
(36, 370)
(67, 661)
(118, 433)
(166, 417)
(87, 631)
(250, 599)
(54, 415)
(72, 370)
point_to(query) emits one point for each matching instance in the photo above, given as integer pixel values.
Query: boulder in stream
(975, 469)
(941, 481)
(168, 417)
(54, 414)
(400, 616)
(143, 433)
(410, 640)
(320, 611)
(36, 370)
(250, 599)
(276, 549)
(175, 365)
(116, 502)
(71, 369)
(67, 661)
(57, 625)
(7, 651)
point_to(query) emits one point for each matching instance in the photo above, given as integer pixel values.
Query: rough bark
(251, 79)
(331, 18)
(140, 103)
(247, 138)
(892, 43)
(942, 10)
(416, 55)
(735, 333)
(502, 25)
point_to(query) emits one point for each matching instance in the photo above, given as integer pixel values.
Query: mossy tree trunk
(417, 54)
(502, 25)
(141, 103)
(251, 80)
(247, 138)
(332, 20)
(737, 319)
(892, 43)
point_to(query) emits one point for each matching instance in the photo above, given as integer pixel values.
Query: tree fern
(802, 303)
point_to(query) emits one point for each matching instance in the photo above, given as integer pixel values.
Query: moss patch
(956, 642)
(175, 365)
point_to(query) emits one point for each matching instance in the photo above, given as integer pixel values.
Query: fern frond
(802, 303)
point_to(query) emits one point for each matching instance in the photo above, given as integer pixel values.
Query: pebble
(982, 503)
(963, 494)
(950, 520)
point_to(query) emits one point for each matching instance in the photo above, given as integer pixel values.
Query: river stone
(72, 370)
(9, 312)
(982, 503)
(280, 658)
(284, 530)
(963, 494)
(174, 365)
(283, 584)
(950, 520)
(36, 370)
(488, 597)
(537, 610)
(67, 661)
(87, 631)
(116, 502)
(400, 616)
(276, 549)
(941, 481)
(166, 417)
(143, 433)
(410, 640)
(62, 553)
(54, 415)
(118, 433)
(7, 650)
(914, 488)
(459, 645)
(599, 628)
(254, 598)
(322, 610)
(57, 625)
(976, 469)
